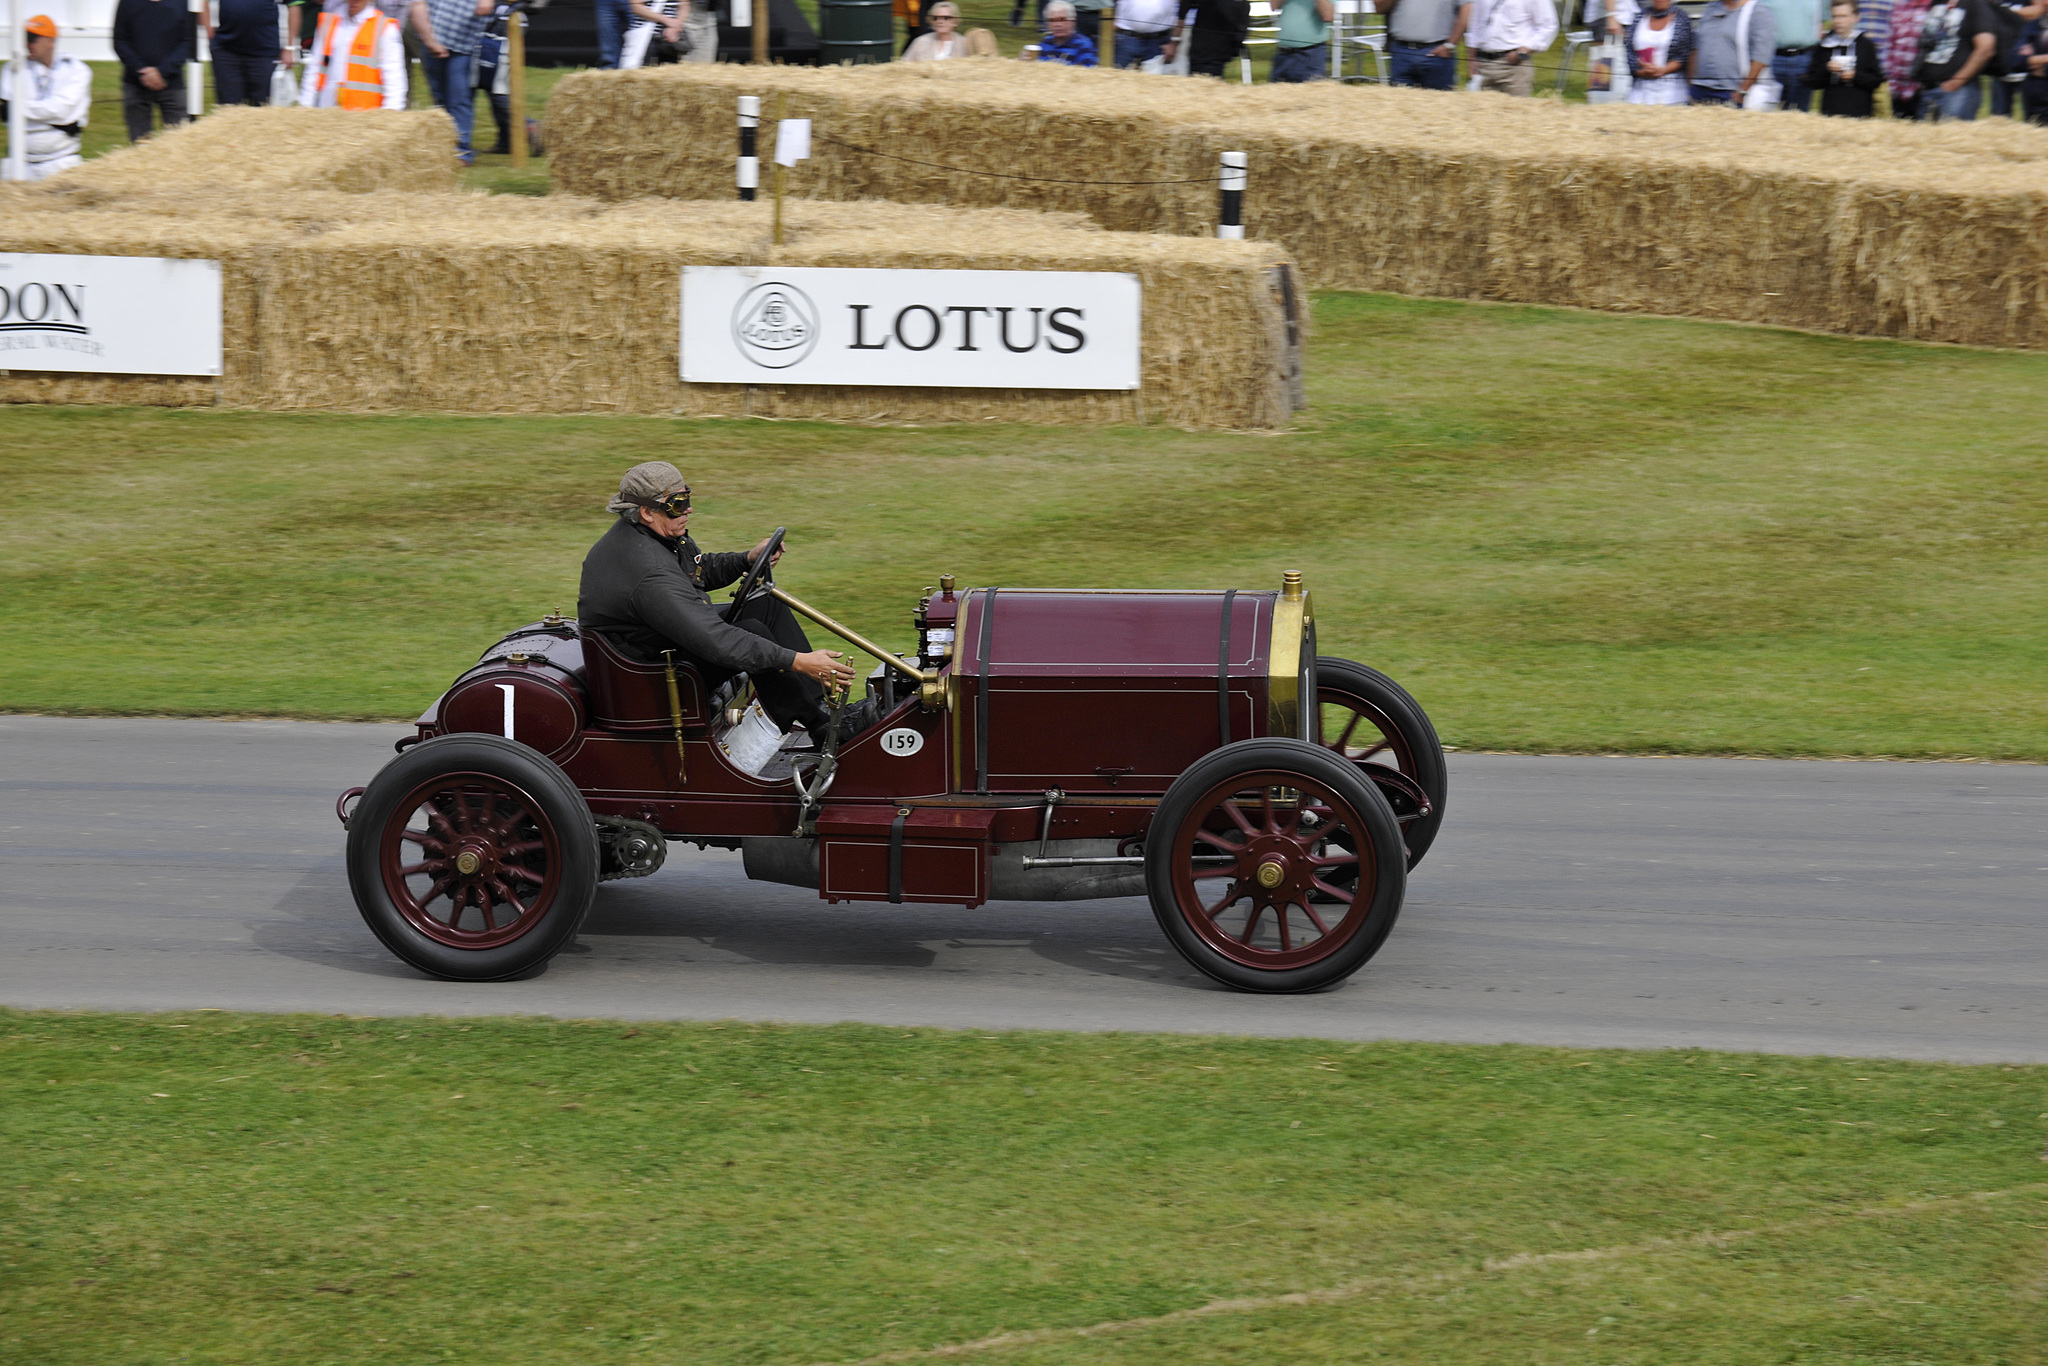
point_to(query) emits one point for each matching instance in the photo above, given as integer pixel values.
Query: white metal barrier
(1261, 9)
(1354, 42)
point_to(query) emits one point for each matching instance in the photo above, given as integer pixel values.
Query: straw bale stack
(282, 149)
(396, 301)
(1932, 232)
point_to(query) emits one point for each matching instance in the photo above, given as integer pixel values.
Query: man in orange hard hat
(56, 93)
(357, 61)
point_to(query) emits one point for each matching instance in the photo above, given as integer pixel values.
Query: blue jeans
(613, 17)
(1134, 48)
(448, 78)
(1940, 106)
(1707, 94)
(1420, 67)
(242, 80)
(2004, 95)
(1790, 73)
(1294, 64)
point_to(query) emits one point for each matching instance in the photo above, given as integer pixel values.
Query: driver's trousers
(788, 697)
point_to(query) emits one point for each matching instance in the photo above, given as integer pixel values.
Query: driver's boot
(853, 720)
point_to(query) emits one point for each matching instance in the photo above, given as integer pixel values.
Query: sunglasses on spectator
(672, 504)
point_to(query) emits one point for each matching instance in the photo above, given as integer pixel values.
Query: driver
(646, 586)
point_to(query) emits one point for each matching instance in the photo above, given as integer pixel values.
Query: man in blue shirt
(1799, 24)
(247, 49)
(1302, 52)
(1061, 42)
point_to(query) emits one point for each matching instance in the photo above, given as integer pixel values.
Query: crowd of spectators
(1935, 58)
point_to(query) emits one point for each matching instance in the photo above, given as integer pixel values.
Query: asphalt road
(1862, 909)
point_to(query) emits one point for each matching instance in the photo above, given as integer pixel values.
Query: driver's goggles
(672, 505)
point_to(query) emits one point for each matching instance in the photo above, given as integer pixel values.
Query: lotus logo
(775, 325)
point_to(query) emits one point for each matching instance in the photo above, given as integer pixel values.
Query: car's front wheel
(1274, 865)
(473, 858)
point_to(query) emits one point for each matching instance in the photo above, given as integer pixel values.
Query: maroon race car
(1039, 745)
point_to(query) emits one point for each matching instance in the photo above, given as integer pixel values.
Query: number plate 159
(902, 742)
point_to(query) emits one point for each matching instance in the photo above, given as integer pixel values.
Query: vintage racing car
(1037, 745)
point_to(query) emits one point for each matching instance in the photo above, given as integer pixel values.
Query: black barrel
(855, 31)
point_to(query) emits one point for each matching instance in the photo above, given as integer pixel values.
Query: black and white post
(750, 159)
(1230, 218)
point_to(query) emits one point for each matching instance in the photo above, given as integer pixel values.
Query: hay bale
(394, 301)
(281, 149)
(1933, 232)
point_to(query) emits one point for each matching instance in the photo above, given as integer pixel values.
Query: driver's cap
(40, 25)
(643, 484)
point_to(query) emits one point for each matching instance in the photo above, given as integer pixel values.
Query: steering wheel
(761, 568)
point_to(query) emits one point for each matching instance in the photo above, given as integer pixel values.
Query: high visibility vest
(362, 86)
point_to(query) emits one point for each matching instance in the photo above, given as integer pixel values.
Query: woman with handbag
(1660, 55)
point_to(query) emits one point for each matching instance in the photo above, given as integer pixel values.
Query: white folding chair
(1351, 43)
(1575, 42)
(1261, 9)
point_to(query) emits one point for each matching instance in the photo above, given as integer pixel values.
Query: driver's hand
(827, 666)
(755, 553)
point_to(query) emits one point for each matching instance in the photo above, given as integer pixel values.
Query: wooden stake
(781, 110)
(515, 52)
(760, 9)
(1105, 42)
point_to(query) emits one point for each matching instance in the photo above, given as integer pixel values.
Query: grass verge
(225, 1188)
(1563, 531)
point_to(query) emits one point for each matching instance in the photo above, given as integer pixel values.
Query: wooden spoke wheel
(1274, 865)
(1370, 721)
(473, 858)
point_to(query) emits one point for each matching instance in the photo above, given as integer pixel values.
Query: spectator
(1799, 24)
(1216, 32)
(1505, 36)
(1146, 29)
(1060, 42)
(2033, 50)
(1957, 41)
(449, 30)
(1422, 40)
(1900, 56)
(56, 98)
(2008, 68)
(1302, 51)
(1732, 48)
(945, 40)
(1660, 55)
(493, 75)
(614, 17)
(247, 50)
(1844, 66)
(154, 39)
(357, 61)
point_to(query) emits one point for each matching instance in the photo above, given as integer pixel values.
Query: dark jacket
(648, 594)
(1218, 32)
(1855, 97)
(1681, 42)
(158, 33)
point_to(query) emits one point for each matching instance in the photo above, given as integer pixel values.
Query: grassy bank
(1562, 531)
(219, 1188)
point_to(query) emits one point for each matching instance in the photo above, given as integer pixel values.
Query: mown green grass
(223, 1188)
(1563, 531)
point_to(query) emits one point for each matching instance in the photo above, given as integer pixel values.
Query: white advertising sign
(956, 329)
(109, 315)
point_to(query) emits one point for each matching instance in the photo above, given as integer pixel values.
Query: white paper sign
(792, 141)
(109, 315)
(955, 329)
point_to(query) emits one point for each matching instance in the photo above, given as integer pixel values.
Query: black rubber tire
(555, 802)
(1423, 759)
(1316, 765)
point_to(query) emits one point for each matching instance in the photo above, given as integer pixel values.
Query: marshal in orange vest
(362, 86)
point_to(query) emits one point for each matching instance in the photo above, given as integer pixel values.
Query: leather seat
(626, 694)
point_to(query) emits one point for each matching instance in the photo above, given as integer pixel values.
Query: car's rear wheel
(1274, 865)
(1368, 718)
(473, 858)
